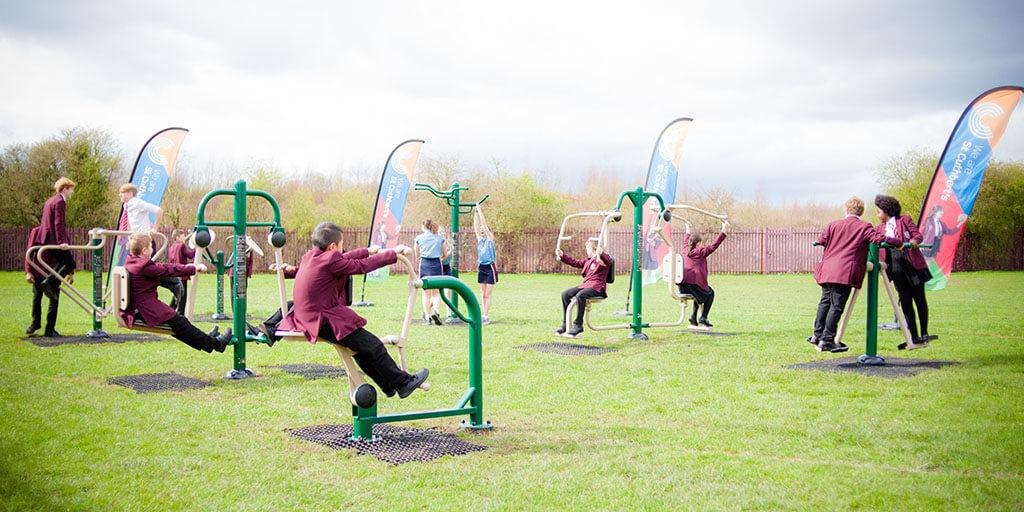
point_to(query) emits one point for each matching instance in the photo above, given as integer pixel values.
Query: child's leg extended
(567, 297)
(372, 358)
(193, 337)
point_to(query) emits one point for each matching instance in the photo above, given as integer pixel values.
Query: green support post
(472, 401)
(97, 290)
(239, 281)
(221, 270)
(870, 356)
(638, 197)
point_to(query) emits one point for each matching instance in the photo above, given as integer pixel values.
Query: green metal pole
(870, 356)
(239, 285)
(219, 264)
(637, 198)
(97, 291)
(456, 201)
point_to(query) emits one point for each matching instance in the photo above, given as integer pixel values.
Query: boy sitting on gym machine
(144, 276)
(597, 270)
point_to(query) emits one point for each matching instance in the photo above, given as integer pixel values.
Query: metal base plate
(893, 367)
(362, 304)
(155, 382)
(312, 371)
(393, 444)
(240, 374)
(567, 349)
(42, 341)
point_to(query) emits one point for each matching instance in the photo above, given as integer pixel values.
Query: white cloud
(802, 99)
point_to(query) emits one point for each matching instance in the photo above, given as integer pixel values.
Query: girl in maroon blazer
(319, 309)
(907, 269)
(695, 273)
(144, 277)
(841, 268)
(595, 271)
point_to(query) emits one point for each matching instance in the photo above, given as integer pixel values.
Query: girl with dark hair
(906, 268)
(695, 273)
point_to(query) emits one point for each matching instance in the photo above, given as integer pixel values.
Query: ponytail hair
(695, 239)
(430, 225)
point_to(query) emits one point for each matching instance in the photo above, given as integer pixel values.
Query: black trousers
(177, 289)
(372, 358)
(700, 298)
(911, 294)
(65, 265)
(581, 295)
(37, 304)
(830, 310)
(189, 334)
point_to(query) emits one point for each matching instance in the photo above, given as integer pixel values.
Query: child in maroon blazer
(144, 277)
(595, 271)
(842, 268)
(695, 273)
(907, 269)
(39, 289)
(179, 253)
(319, 309)
(53, 230)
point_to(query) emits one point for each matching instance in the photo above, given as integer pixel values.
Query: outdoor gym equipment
(874, 267)
(96, 306)
(453, 198)
(672, 265)
(602, 243)
(221, 265)
(239, 283)
(363, 396)
(638, 197)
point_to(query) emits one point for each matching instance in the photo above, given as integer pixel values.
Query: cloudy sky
(800, 100)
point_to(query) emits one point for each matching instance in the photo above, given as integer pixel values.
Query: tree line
(520, 201)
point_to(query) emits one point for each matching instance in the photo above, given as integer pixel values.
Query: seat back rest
(611, 271)
(119, 276)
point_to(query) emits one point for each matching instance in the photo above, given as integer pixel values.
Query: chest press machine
(363, 396)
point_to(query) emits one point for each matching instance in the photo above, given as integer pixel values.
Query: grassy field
(679, 422)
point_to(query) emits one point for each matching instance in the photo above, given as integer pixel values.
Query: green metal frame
(239, 282)
(870, 356)
(638, 197)
(453, 198)
(218, 263)
(472, 401)
(97, 289)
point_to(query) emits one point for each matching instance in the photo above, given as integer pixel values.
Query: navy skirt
(430, 267)
(487, 274)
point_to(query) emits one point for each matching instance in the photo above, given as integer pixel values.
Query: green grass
(679, 422)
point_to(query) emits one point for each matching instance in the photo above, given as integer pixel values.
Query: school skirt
(487, 274)
(430, 267)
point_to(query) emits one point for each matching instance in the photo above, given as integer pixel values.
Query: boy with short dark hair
(319, 307)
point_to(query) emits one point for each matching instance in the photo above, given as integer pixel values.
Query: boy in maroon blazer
(53, 230)
(319, 308)
(179, 253)
(906, 268)
(841, 268)
(144, 277)
(595, 270)
(39, 289)
(695, 273)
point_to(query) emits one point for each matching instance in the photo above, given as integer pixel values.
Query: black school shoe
(560, 331)
(223, 341)
(839, 347)
(813, 340)
(575, 331)
(826, 346)
(436, 319)
(414, 383)
(930, 337)
(32, 328)
(705, 323)
(51, 333)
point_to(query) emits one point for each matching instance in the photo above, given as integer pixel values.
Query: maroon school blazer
(906, 231)
(52, 229)
(595, 270)
(695, 262)
(143, 278)
(318, 294)
(846, 251)
(180, 253)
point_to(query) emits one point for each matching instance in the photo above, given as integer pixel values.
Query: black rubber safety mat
(396, 445)
(709, 333)
(894, 367)
(43, 341)
(312, 371)
(155, 382)
(567, 349)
